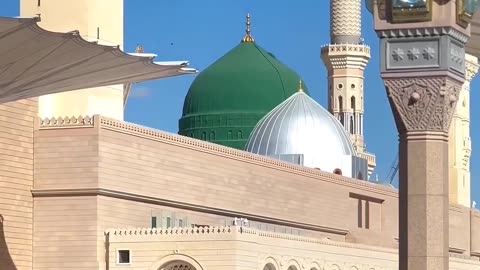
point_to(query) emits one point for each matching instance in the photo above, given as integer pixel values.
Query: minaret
(346, 58)
(459, 140)
(98, 21)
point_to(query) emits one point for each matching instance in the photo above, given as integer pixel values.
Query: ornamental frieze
(436, 53)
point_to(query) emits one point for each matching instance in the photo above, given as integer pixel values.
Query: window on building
(337, 171)
(123, 256)
(352, 103)
(340, 103)
(169, 222)
(154, 222)
(180, 223)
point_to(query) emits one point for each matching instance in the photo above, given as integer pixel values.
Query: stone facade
(94, 174)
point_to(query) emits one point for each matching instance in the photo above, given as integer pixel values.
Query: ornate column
(423, 51)
(459, 140)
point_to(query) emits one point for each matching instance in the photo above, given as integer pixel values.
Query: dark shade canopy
(36, 62)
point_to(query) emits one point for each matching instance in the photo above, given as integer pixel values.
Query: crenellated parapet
(65, 122)
(170, 231)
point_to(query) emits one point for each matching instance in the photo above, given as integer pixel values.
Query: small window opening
(169, 222)
(337, 171)
(123, 256)
(154, 222)
(98, 32)
(180, 223)
(38, 3)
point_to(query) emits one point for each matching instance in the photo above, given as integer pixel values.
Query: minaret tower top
(345, 21)
(346, 58)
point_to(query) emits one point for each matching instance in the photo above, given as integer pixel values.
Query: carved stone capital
(471, 67)
(423, 104)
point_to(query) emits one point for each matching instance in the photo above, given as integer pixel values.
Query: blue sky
(202, 31)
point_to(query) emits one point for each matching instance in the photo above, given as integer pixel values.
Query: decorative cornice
(346, 48)
(181, 205)
(346, 56)
(423, 32)
(170, 231)
(66, 122)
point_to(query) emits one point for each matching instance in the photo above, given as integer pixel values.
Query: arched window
(337, 171)
(352, 125)
(204, 135)
(360, 176)
(240, 135)
(230, 135)
(269, 266)
(352, 103)
(340, 103)
(212, 136)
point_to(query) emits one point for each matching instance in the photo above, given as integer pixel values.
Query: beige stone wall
(245, 248)
(65, 233)
(138, 173)
(199, 176)
(17, 120)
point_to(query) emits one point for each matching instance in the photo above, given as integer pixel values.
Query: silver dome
(301, 126)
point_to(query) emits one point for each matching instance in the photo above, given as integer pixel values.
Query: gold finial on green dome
(248, 37)
(300, 87)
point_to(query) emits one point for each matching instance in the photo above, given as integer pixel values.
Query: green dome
(226, 100)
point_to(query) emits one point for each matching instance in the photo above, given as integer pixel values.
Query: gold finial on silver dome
(248, 37)
(139, 49)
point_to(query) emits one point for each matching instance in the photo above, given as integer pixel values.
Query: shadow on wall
(6, 262)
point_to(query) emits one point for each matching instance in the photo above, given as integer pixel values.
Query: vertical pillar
(423, 67)
(423, 108)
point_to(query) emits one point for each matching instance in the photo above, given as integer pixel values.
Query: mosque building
(275, 183)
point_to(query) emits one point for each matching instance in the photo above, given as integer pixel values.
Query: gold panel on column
(410, 11)
(465, 11)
